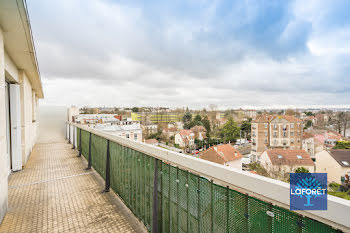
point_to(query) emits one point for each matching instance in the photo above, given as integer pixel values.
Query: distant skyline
(193, 53)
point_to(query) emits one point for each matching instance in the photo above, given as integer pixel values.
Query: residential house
(311, 145)
(223, 154)
(20, 91)
(200, 132)
(169, 132)
(336, 163)
(153, 142)
(185, 138)
(149, 128)
(329, 139)
(280, 162)
(270, 132)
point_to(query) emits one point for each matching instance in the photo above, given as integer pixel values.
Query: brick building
(270, 132)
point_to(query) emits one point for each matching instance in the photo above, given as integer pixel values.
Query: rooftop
(289, 157)
(341, 156)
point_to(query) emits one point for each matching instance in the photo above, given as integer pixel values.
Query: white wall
(29, 131)
(326, 164)
(236, 164)
(3, 140)
(10, 72)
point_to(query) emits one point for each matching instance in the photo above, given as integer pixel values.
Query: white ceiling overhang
(18, 40)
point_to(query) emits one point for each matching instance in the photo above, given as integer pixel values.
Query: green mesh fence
(187, 202)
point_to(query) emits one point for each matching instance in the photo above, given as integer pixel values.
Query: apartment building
(20, 91)
(128, 131)
(156, 117)
(270, 132)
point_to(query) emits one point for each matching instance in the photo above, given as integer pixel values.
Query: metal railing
(172, 192)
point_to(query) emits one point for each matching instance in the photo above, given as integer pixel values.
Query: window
(292, 126)
(284, 134)
(265, 140)
(345, 163)
(265, 125)
(279, 156)
(275, 126)
(135, 136)
(292, 134)
(127, 135)
(299, 156)
(292, 141)
(266, 134)
(275, 134)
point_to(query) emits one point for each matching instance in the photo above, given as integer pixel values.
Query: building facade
(311, 145)
(336, 163)
(128, 131)
(223, 154)
(20, 91)
(276, 132)
(280, 162)
(185, 138)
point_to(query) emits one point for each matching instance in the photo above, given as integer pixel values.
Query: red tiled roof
(151, 141)
(222, 154)
(289, 157)
(185, 132)
(307, 135)
(288, 118)
(198, 128)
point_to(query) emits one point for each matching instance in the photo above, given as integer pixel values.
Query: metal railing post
(80, 149)
(155, 198)
(68, 133)
(227, 209)
(73, 141)
(107, 170)
(199, 204)
(89, 158)
(212, 206)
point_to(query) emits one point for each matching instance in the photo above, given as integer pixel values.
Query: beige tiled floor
(54, 193)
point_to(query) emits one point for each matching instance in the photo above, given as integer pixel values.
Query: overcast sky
(192, 52)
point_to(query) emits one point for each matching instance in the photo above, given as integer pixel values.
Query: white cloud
(112, 54)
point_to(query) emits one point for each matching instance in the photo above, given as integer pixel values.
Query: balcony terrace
(150, 189)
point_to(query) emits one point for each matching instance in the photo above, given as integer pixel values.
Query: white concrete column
(3, 139)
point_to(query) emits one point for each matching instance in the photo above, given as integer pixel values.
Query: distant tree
(290, 112)
(309, 113)
(302, 170)
(230, 130)
(342, 122)
(95, 111)
(135, 109)
(198, 118)
(186, 119)
(308, 124)
(206, 123)
(246, 128)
